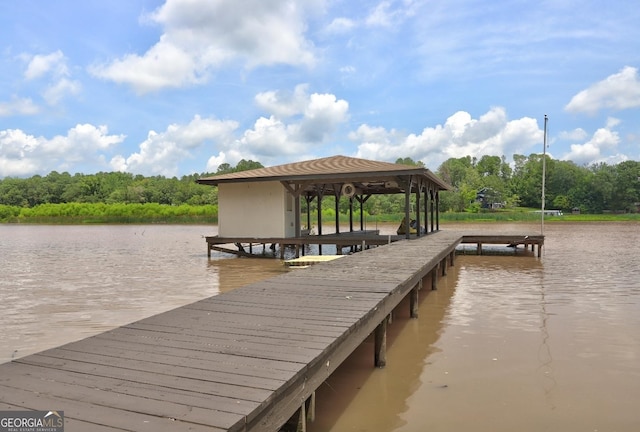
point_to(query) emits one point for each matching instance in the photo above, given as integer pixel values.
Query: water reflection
(357, 388)
(522, 344)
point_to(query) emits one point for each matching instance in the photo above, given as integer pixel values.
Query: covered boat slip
(246, 360)
(264, 206)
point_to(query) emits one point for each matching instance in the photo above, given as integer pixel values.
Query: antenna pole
(544, 164)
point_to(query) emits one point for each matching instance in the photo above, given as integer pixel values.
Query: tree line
(592, 189)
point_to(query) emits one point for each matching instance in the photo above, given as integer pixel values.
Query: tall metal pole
(544, 164)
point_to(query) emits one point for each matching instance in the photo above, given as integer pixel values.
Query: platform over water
(242, 360)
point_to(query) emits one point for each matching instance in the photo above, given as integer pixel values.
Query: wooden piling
(434, 278)
(380, 345)
(413, 301)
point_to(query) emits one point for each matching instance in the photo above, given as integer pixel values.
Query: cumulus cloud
(597, 148)
(161, 152)
(619, 91)
(201, 35)
(23, 154)
(461, 135)
(298, 121)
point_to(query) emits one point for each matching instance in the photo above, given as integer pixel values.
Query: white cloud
(299, 121)
(340, 25)
(578, 134)
(389, 13)
(461, 135)
(619, 91)
(22, 154)
(18, 106)
(40, 65)
(161, 153)
(54, 66)
(60, 89)
(201, 35)
(284, 104)
(595, 150)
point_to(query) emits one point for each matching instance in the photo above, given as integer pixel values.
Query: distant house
(489, 198)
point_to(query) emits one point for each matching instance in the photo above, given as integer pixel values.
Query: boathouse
(263, 205)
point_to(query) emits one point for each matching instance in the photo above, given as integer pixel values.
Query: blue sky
(179, 87)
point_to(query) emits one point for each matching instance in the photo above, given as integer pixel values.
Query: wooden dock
(246, 360)
(244, 246)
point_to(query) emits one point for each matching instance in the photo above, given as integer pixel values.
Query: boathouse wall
(255, 209)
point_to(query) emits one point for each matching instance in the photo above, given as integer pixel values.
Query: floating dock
(246, 360)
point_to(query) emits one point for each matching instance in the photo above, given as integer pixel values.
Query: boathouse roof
(368, 175)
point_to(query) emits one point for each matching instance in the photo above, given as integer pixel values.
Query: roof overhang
(329, 174)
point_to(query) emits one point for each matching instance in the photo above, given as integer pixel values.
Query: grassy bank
(99, 213)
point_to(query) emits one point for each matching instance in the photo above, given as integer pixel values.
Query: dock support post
(452, 257)
(443, 264)
(539, 250)
(413, 300)
(434, 278)
(302, 418)
(479, 248)
(311, 407)
(380, 337)
(208, 250)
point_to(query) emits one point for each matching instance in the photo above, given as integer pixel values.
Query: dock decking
(246, 360)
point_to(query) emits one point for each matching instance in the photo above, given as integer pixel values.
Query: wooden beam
(380, 346)
(434, 278)
(413, 300)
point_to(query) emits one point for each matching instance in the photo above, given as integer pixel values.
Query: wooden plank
(48, 376)
(62, 359)
(124, 402)
(201, 385)
(119, 419)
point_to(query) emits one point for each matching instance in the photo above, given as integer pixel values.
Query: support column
(407, 205)
(437, 210)
(426, 209)
(434, 278)
(337, 210)
(380, 337)
(413, 300)
(320, 193)
(311, 407)
(418, 221)
(432, 215)
(479, 249)
(302, 418)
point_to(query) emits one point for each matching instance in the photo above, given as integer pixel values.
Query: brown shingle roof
(334, 168)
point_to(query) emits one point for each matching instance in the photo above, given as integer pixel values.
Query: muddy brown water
(506, 342)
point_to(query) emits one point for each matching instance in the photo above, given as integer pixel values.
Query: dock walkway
(246, 360)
